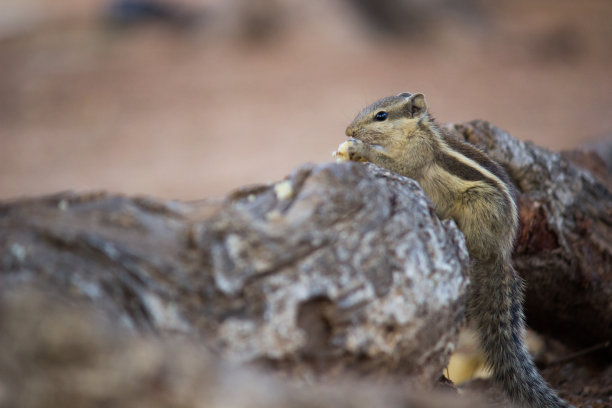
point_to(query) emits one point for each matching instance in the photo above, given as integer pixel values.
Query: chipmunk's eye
(380, 116)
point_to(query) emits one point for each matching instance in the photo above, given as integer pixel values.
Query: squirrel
(464, 184)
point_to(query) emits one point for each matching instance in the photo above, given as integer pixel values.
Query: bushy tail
(496, 306)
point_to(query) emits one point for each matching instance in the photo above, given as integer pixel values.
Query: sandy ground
(194, 114)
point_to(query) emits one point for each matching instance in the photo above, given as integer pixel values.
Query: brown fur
(468, 187)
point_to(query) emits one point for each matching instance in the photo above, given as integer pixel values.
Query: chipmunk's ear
(415, 105)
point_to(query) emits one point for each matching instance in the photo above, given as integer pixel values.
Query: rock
(58, 352)
(339, 269)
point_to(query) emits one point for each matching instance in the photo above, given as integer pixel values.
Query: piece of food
(341, 154)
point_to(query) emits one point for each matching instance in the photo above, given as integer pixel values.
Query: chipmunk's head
(390, 120)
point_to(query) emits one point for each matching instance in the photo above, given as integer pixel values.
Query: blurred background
(190, 99)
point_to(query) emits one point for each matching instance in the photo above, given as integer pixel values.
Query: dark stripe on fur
(462, 170)
(479, 157)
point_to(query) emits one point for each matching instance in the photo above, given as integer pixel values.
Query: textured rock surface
(564, 248)
(59, 353)
(338, 274)
(340, 268)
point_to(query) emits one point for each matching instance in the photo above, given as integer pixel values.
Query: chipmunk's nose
(349, 131)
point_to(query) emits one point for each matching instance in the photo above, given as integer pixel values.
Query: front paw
(352, 149)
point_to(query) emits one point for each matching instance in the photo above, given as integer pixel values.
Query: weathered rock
(340, 268)
(60, 353)
(338, 275)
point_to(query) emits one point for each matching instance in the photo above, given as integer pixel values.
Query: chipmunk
(465, 185)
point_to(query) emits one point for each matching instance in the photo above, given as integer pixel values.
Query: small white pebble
(18, 251)
(62, 205)
(274, 215)
(283, 190)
